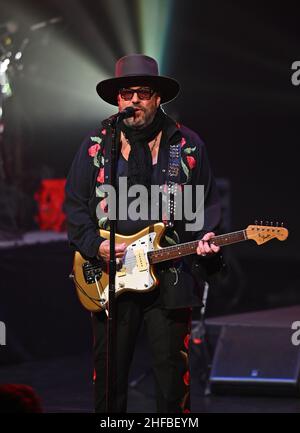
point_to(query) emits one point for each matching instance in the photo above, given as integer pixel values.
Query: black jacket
(181, 282)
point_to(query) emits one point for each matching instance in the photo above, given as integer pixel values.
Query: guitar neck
(188, 248)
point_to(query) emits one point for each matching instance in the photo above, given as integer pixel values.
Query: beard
(141, 119)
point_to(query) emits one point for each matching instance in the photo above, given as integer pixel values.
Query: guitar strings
(172, 248)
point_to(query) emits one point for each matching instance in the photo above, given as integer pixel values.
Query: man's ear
(158, 99)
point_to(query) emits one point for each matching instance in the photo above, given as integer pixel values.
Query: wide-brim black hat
(136, 70)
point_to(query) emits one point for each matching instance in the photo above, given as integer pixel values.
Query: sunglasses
(144, 93)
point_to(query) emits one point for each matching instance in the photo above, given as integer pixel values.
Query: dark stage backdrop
(39, 306)
(234, 62)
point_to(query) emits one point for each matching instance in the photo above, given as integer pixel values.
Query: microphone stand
(111, 311)
(110, 330)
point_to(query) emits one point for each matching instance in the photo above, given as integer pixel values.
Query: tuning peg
(282, 224)
(261, 223)
(277, 223)
(266, 223)
(271, 223)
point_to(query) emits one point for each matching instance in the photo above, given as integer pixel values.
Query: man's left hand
(206, 249)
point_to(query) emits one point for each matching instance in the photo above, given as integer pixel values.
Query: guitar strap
(173, 181)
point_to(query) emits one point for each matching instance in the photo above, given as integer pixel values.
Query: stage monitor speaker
(255, 360)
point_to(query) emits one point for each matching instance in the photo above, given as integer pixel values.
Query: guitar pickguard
(134, 272)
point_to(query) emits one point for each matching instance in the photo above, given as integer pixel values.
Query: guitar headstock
(266, 231)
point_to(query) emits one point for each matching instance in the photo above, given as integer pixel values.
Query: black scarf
(140, 158)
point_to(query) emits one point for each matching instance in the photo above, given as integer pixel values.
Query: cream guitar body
(134, 272)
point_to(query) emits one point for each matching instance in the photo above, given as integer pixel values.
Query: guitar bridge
(91, 272)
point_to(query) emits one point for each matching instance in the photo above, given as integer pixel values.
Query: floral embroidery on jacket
(96, 151)
(188, 161)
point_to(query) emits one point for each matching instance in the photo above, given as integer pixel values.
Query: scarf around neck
(140, 158)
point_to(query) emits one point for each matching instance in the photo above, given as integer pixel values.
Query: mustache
(138, 107)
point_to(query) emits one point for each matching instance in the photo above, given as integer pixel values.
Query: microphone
(124, 114)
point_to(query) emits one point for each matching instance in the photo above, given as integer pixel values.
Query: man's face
(146, 108)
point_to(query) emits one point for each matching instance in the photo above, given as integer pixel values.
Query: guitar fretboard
(188, 248)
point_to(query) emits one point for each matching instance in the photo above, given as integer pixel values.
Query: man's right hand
(104, 250)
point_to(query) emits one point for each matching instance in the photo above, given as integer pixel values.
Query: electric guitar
(135, 272)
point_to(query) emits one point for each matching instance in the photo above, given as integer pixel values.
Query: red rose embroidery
(183, 141)
(103, 205)
(100, 177)
(94, 149)
(186, 378)
(191, 161)
(103, 132)
(187, 341)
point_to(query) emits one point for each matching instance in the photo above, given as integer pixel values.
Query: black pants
(168, 334)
